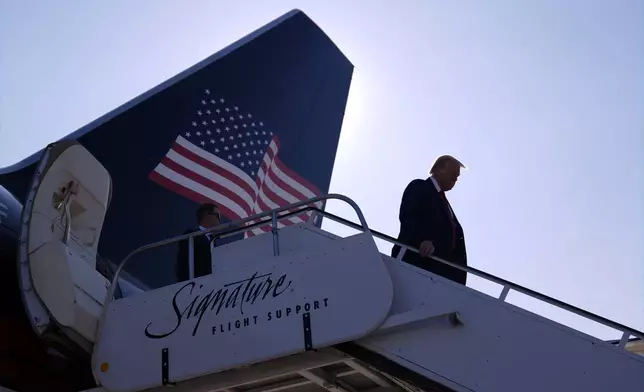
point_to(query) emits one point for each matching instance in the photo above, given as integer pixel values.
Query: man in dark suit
(207, 216)
(428, 223)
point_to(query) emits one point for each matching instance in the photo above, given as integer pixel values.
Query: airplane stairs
(301, 306)
(297, 307)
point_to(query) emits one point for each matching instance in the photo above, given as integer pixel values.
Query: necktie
(451, 218)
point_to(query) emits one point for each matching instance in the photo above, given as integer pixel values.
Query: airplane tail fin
(253, 127)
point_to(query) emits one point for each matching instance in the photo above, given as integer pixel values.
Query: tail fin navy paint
(253, 127)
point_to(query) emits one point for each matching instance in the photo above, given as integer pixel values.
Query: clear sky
(543, 100)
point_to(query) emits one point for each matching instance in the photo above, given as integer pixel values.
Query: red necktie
(451, 220)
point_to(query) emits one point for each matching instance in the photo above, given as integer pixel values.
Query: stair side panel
(499, 347)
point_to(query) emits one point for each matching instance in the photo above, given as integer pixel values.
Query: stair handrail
(507, 285)
(237, 227)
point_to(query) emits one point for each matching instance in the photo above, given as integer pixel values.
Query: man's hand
(426, 248)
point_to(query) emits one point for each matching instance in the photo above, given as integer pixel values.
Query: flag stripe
(271, 152)
(213, 171)
(270, 197)
(287, 183)
(173, 181)
(208, 158)
(233, 201)
(298, 182)
(212, 179)
(276, 192)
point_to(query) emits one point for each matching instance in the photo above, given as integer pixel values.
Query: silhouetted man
(428, 223)
(207, 217)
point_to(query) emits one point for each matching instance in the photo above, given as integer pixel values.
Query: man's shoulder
(417, 184)
(418, 181)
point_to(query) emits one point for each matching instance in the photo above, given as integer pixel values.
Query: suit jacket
(202, 257)
(424, 216)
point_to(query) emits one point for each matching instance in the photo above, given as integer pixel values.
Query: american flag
(228, 156)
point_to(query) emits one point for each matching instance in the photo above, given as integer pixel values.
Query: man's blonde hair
(443, 161)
